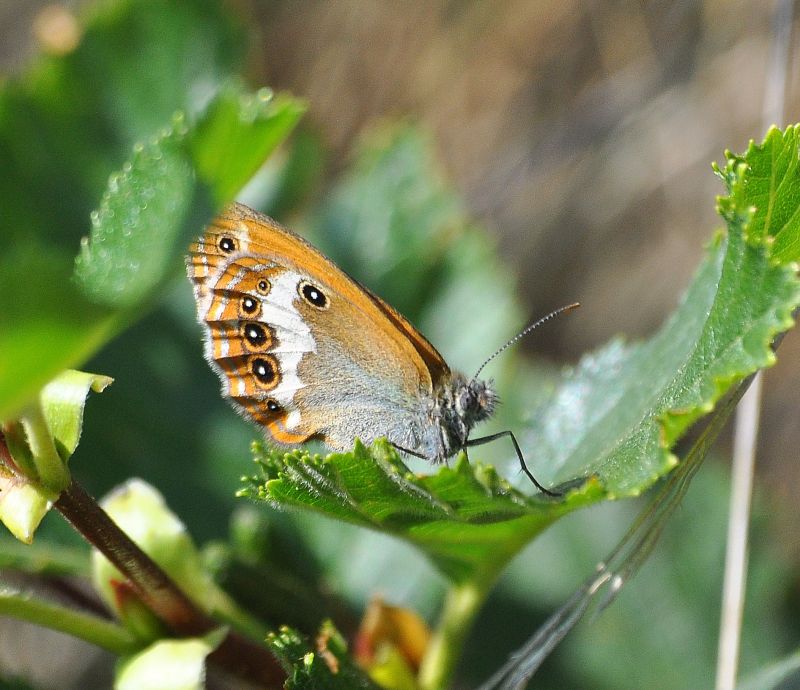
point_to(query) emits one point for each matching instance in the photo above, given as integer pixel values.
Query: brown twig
(236, 654)
(151, 584)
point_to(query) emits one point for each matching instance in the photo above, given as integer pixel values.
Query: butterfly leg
(520, 457)
(410, 452)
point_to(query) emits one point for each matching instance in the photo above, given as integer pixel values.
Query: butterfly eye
(263, 286)
(272, 406)
(249, 304)
(227, 244)
(256, 335)
(265, 370)
(313, 295)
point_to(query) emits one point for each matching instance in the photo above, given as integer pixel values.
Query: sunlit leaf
(468, 522)
(66, 126)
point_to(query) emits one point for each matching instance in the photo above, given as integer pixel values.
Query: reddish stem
(152, 585)
(237, 654)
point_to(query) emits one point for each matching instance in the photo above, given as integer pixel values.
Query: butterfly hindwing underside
(252, 343)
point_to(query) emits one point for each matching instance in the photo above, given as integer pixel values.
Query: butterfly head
(475, 400)
(458, 405)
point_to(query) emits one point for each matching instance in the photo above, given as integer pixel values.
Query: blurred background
(567, 145)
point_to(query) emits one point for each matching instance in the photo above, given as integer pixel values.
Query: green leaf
(157, 203)
(228, 153)
(619, 413)
(151, 209)
(770, 184)
(69, 120)
(169, 665)
(63, 401)
(323, 666)
(146, 213)
(22, 506)
(40, 447)
(46, 324)
(469, 522)
(619, 567)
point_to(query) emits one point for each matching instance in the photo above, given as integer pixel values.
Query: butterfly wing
(301, 347)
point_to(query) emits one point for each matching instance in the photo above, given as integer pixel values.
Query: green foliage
(68, 122)
(615, 417)
(324, 666)
(147, 204)
(63, 402)
(237, 134)
(65, 125)
(156, 200)
(763, 186)
(78, 117)
(469, 522)
(46, 325)
(41, 443)
(619, 413)
(611, 422)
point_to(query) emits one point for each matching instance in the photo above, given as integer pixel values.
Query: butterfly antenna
(523, 333)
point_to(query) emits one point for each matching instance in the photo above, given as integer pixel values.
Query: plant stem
(237, 654)
(733, 589)
(51, 470)
(749, 411)
(102, 633)
(150, 583)
(461, 605)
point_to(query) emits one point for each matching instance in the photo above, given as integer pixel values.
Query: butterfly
(306, 352)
